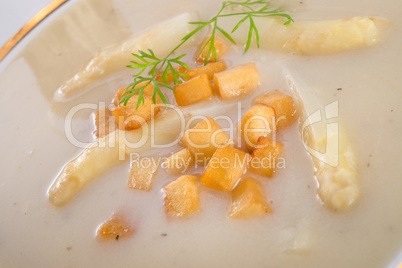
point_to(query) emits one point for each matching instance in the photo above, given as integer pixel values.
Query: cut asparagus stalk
(110, 151)
(161, 39)
(315, 36)
(335, 167)
(113, 149)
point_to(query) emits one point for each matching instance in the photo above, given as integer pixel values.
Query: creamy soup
(300, 232)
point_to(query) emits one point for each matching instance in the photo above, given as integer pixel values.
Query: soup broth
(300, 232)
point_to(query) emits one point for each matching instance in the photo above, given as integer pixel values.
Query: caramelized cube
(182, 196)
(128, 116)
(104, 123)
(142, 174)
(265, 157)
(180, 162)
(283, 105)
(225, 169)
(147, 91)
(203, 139)
(259, 121)
(195, 90)
(114, 229)
(209, 69)
(248, 200)
(117, 97)
(221, 48)
(169, 77)
(237, 81)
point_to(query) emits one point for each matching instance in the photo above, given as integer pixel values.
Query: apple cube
(225, 169)
(147, 91)
(259, 121)
(195, 90)
(142, 174)
(179, 162)
(115, 229)
(221, 48)
(169, 77)
(210, 69)
(182, 196)
(264, 158)
(128, 117)
(237, 81)
(248, 200)
(203, 139)
(283, 105)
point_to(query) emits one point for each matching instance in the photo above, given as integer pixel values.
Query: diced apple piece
(115, 228)
(259, 121)
(237, 81)
(283, 105)
(142, 174)
(117, 97)
(169, 77)
(248, 200)
(128, 116)
(182, 196)
(104, 123)
(210, 69)
(146, 91)
(204, 138)
(180, 162)
(221, 48)
(225, 169)
(265, 157)
(195, 90)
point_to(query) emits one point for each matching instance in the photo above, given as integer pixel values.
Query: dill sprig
(250, 9)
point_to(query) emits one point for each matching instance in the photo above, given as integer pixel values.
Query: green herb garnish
(148, 60)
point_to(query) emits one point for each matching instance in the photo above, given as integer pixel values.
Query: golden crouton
(237, 81)
(265, 157)
(221, 48)
(142, 174)
(146, 91)
(203, 139)
(169, 77)
(195, 90)
(210, 69)
(248, 200)
(259, 121)
(128, 116)
(115, 229)
(180, 161)
(283, 105)
(182, 196)
(225, 169)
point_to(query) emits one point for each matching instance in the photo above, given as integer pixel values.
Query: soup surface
(300, 232)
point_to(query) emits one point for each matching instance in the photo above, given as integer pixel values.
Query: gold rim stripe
(29, 26)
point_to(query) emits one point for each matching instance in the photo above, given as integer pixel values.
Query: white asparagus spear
(162, 38)
(311, 37)
(113, 149)
(110, 151)
(335, 170)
